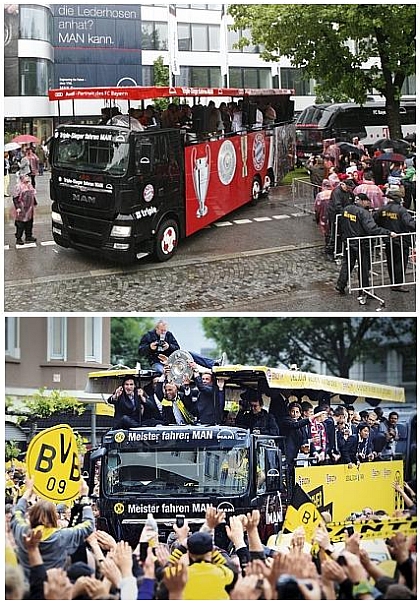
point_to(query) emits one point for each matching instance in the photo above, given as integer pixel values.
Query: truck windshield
(92, 151)
(177, 472)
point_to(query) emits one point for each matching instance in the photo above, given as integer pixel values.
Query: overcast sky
(188, 332)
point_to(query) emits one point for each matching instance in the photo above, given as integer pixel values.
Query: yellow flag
(302, 512)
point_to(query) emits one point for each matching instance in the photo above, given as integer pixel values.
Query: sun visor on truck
(299, 380)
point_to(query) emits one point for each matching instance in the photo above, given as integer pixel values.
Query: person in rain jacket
(24, 202)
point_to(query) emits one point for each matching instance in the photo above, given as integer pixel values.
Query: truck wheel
(255, 191)
(166, 241)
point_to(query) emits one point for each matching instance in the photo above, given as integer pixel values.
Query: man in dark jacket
(257, 419)
(334, 435)
(127, 405)
(211, 398)
(356, 221)
(394, 216)
(177, 407)
(341, 196)
(158, 341)
(358, 448)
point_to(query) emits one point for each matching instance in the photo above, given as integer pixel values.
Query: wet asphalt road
(265, 258)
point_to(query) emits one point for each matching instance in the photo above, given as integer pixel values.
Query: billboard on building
(97, 45)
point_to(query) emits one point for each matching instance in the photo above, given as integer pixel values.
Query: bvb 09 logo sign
(52, 460)
(119, 508)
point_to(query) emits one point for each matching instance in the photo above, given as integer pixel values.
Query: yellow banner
(370, 530)
(53, 461)
(287, 379)
(343, 491)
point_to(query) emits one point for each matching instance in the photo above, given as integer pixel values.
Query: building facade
(57, 353)
(78, 45)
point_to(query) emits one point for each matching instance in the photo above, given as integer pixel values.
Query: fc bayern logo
(148, 193)
(258, 152)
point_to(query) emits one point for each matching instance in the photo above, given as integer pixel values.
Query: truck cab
(181, 470)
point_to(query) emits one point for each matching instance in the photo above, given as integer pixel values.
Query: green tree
(315, 37)
(339, 342)
(12, 450)
(43, 405)
(161, 78)
(125, 336)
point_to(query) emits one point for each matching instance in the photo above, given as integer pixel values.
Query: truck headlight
(56, 217)
(121, 231)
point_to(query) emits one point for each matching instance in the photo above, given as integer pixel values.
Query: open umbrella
(397, 146)
(26, 139)
(349, 149)
(392, 157)
(11, 146)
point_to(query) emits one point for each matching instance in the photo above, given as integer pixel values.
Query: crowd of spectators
(340, 175)
(46, 561)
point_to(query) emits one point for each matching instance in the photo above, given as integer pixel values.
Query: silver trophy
(179, 368)
(201, 178)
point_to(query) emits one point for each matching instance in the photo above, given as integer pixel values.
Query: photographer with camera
(158, 341)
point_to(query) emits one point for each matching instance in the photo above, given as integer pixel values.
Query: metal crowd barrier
(385, 258)
(303, 195)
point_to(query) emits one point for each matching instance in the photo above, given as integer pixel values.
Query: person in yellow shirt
(209, 577)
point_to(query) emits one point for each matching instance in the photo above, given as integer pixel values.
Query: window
(292, 78)
(57, 339)
(235, 36)
(261, 471)
(199, 76)
(35, 23)
(36, 76)
(201, 6)
(12, 348)
(214, 38)
(184, 36)
(199, 38)
(93, 339)
(249, 77)
(154, 36)
(148, 77)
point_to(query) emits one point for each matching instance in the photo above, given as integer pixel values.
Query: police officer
(395, 216)
(357, 221)
(341, 196)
